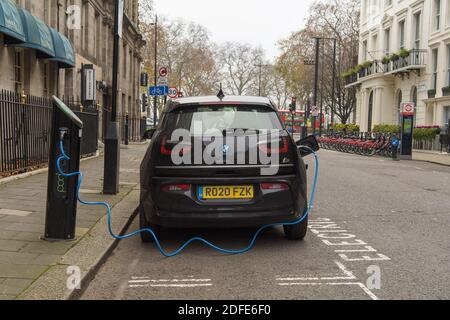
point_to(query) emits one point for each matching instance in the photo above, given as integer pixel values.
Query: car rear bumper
(222, 220)
(186, 210)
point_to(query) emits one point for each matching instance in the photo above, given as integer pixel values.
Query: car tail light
(167, 147)
(274, 186)
(282, 148)
(164, 145)
(176, 187)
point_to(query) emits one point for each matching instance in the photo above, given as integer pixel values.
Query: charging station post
(407, 127)
(60, 220)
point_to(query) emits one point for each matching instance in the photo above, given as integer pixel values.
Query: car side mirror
(149, 133)
(307, 146)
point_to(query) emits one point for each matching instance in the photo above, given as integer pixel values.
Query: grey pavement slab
(11, 245)
(14, 286)
(17, 213)
(23, 255)
(29, 271)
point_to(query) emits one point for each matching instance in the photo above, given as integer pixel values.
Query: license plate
(225, 192)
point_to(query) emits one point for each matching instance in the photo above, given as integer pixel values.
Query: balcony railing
(375, 68)
(415, 60)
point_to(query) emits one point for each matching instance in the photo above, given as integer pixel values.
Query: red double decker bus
(297, 121)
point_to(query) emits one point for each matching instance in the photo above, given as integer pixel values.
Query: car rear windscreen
(245, 117)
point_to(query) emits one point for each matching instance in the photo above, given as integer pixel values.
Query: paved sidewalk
(432, 156)
(23, 256)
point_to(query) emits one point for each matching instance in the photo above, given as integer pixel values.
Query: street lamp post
(260, 65)
(334, 81)
(316, 81)
(155, 98)
(112, 138)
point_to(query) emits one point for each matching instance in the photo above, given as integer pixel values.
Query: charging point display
(60, 221)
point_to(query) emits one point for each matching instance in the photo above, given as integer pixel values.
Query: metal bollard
(394, 145)
(127, 130)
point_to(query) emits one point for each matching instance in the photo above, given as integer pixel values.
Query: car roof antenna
(221, 95)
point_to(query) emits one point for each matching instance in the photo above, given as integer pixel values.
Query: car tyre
(146, 237)
(297, 231)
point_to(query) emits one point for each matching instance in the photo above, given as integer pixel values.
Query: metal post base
(57, 240)
(112, 159)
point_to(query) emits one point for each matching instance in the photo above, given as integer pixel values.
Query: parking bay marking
(333, 235)
(345, 275)
(143, 282)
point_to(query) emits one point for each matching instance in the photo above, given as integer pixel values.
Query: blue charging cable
(187, 243)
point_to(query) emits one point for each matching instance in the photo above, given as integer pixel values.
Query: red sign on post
(408, 109)
(163, 72)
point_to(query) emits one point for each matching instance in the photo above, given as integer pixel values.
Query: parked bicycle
(361, 144)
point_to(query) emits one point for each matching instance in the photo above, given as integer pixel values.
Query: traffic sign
(163, 82)
(315, 111)
(158, 91)
(163, 72)
(408, 108)
(173, 92)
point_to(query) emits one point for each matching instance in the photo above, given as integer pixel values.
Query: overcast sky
(258, 22)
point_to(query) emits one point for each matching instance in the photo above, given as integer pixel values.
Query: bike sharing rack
(60, 220)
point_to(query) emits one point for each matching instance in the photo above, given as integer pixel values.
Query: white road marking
(319, 281)
(359, 284)
(333, 235)
(171, 285)
(173, 280)
(182, 282)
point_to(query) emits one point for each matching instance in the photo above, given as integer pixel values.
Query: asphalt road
(379, 230)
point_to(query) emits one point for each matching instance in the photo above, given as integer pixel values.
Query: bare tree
(185, 48)
(327, 18)
(239, 70)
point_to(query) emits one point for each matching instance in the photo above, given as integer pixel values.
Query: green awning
(11, 23)
(38, 35)
(64, 54)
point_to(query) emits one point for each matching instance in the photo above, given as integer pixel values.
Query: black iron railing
(416, 57)
(131, 128)
(25, 128)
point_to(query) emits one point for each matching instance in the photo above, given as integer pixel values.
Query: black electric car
(233, 190)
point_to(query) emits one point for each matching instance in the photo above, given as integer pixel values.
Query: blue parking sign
(158, 91)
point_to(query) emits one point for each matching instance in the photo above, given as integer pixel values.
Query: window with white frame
(435, 68)
(437, 14)
(401, 30)
(46, 78)
(448, 65)
(374, 50)
(364, 51)
(387, 41)
(417, 30)
(387, 3)
(18, 70)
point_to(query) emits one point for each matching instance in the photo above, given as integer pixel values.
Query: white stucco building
(423, 28)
